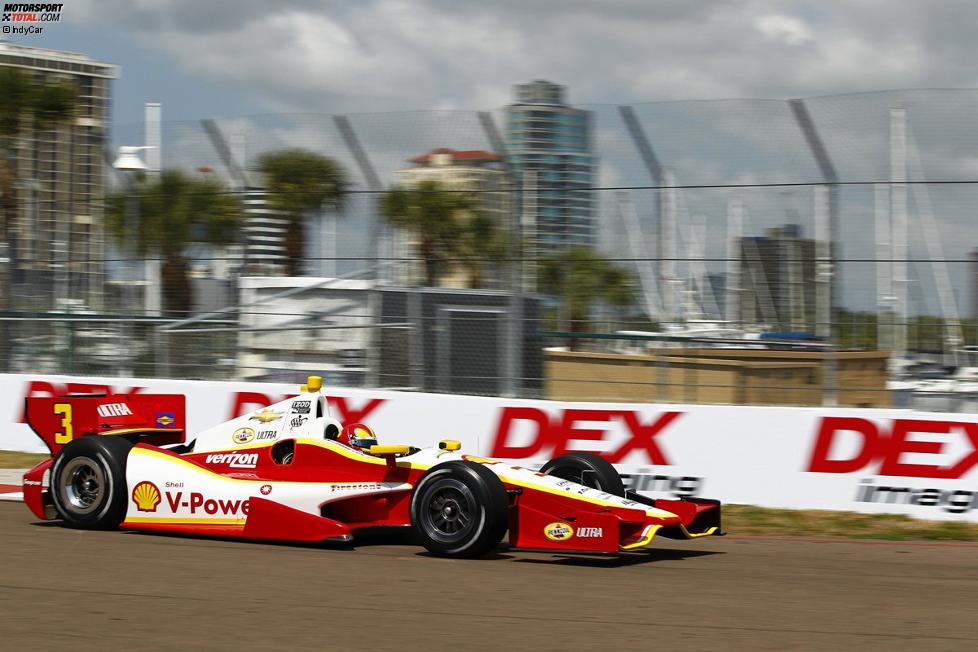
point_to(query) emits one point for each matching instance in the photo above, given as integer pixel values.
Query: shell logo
(146, 495)
(558, 531)
(243, 435)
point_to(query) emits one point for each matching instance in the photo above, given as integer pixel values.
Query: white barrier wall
(917, 463)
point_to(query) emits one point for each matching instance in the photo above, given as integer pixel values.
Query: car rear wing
(157, 419)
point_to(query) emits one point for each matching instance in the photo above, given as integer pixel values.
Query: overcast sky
(227, 58)
(210, 59)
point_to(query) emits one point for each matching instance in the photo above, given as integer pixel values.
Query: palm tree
(436, 218)
(580, 277)
(481, 244)
(174, 211)
(298, 182)
(24, 104)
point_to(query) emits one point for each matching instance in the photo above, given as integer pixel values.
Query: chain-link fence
(779, 252)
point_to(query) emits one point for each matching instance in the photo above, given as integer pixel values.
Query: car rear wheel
(460, 509)
(588, 469)
(88, 482)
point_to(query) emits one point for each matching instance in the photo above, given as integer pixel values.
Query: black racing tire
(460, 509)
(588, 469)
(88, 482)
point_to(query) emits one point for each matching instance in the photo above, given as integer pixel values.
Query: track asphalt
(70, 589)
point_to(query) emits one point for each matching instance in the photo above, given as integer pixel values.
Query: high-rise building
(56, 242)
(481, 173)
(777, 279)
(264, 235)
(552, 140)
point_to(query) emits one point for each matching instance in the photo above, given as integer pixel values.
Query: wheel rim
(449, 510)
(82, 485)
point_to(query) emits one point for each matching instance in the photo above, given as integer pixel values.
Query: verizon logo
(234, 460)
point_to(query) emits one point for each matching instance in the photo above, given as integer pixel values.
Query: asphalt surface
(62, 588)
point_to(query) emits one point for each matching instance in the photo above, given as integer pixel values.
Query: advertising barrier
(868, 460)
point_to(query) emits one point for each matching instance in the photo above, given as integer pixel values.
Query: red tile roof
(469, 154)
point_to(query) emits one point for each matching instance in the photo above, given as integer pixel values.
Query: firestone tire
(460, 509)
(88, 482)
(587, 469)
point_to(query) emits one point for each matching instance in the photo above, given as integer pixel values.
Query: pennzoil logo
(243, 435)
(558, 531)
(146, 495)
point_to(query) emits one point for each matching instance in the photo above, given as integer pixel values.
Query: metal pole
(637, 248)
(953, 337)
(884, 268)
(735, 234)
(153, 296)
(379, 233)
(823, 293)
(416, 339)
(667, 244)
(375, 310)
(898, 220)
(831, 217)
(514, 330)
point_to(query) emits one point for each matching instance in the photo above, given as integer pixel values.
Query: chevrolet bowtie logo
(266, 416)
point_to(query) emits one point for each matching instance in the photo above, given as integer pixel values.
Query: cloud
(306, 55)
(787, 29)
(369, 56)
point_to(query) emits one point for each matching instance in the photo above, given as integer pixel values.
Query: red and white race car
(290, 472)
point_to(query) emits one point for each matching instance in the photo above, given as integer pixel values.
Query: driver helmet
(357, 435)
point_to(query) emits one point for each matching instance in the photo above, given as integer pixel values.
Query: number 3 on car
(67, 435)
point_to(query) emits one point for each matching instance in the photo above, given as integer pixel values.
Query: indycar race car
(291, 472)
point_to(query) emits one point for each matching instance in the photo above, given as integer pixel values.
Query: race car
(291, 472)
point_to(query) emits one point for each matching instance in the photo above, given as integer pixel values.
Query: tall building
(264, 235)
(56, 242)
(479, 172)
(777, 279)
(552, 140)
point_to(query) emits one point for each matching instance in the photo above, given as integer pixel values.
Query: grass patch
(15, 460)
(761, 521)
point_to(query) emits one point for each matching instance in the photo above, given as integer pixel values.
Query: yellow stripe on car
(647, 535)
(186, 521)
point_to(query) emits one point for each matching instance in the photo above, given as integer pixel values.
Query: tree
(480, 244)
(579, 277)
(444, 224)
(298, 182)
(163, 215)
(24, 104)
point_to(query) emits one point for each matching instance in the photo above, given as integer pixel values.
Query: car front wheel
(460, 509)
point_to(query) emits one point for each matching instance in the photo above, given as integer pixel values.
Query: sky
(309, 57)
(252, 56)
